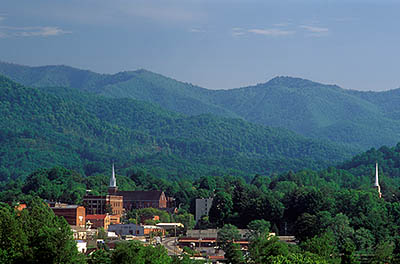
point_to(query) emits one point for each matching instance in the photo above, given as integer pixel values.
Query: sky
(214, 44)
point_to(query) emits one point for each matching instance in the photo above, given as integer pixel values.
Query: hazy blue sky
(214, 44)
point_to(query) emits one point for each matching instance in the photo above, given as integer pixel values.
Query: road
(169, 244)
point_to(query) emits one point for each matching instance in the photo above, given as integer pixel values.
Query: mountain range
(325, 112)
(47, 126)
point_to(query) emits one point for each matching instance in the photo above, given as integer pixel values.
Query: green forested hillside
(386, 101)
(141, 85)
(80, 131)
(359, 119)
(313, 109)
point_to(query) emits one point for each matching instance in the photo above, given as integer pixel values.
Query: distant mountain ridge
(82, 131)
(328, 112)
(140, 85)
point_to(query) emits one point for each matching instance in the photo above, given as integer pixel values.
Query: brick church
(140, 199)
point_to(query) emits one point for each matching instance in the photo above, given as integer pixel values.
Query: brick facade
(143, 199)
(99, 220)
(74, 214)
(103, 204)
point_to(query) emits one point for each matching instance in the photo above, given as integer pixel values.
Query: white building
(82, 246)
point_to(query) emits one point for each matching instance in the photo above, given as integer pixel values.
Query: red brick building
(74, 214)
(107, 204)
(98, 220)
(143, 199)
(139, 199)
(98, 204)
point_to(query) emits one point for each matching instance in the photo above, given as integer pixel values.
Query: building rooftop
(170, 225)
(151, 227)
(95, 216)
(141, 195)
(69, 206)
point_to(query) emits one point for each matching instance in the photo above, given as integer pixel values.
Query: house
(151, 229)
(98, 220)
(79, 233)
(127, 229)
(81, 245)
(136, 230)
(74, 214)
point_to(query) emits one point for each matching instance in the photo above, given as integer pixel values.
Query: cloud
(237, 34)
(197, 30)
(8, 31)
(315, 29)
(42, 31)
(237, 31)
(271, 32)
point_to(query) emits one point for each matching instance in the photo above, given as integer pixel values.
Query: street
(169, 244)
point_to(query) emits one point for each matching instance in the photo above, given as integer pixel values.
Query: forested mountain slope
(386, 101)
(360, 119)
(316, 110)
(86, 132)
(141, 85)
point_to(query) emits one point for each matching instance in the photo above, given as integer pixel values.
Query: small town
(99, 223)
(199, 132)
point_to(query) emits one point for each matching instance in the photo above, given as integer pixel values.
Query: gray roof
(141, 195)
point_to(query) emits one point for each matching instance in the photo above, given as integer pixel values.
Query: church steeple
(113, 181)
(376, 185)
(112, 189)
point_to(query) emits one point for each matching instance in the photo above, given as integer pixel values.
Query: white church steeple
(376, 185)
(112, 189)
(113, 180)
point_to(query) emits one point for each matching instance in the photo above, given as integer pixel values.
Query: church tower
(376, 185)
(112, 189)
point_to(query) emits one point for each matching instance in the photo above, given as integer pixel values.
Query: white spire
(113, 180)
(376, 185)
(376, 175)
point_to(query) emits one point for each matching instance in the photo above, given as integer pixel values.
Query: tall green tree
(258, 228)
(100, 256)
(36, 235)
(227, 235)
(13, 240)
(136, 253)
(49, 236)
(221, 208)
(233, 254)
(262, 248)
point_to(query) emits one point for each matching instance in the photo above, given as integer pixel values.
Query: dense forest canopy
(86, 132)
(335, 213)
(360, 119)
